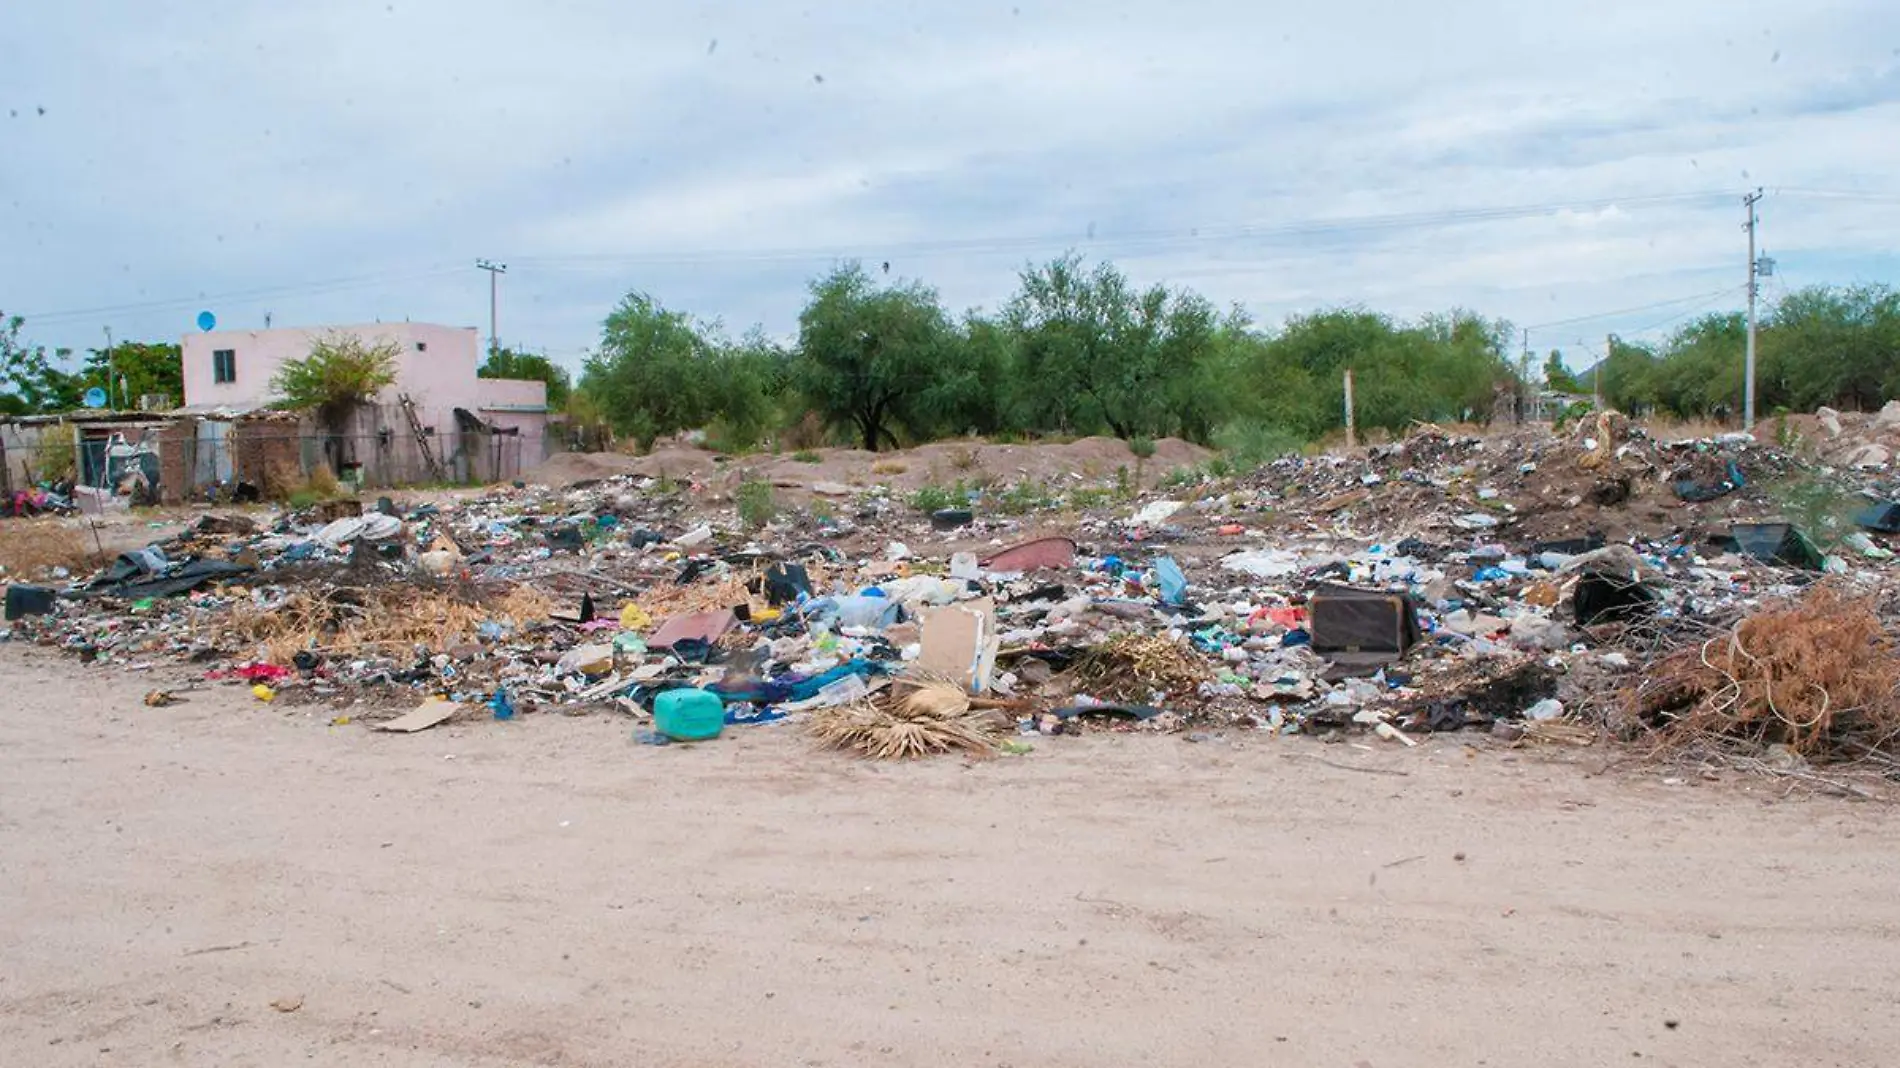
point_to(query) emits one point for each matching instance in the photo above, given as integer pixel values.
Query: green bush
(935, 498)
(1250, 444)
(1821, 509)
(1183, 477)
(1143, 448)
(806, 456)
(1023, 497)
(756, 506)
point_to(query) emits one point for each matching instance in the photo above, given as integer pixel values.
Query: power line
(1631, 311)
(335, 285)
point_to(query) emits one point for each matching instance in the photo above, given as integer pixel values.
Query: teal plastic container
(689, 715)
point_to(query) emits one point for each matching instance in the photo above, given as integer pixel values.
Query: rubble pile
(1539, 586)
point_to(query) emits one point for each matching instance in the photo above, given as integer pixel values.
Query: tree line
(880, 362)
(1823, 345)
(1078, 349)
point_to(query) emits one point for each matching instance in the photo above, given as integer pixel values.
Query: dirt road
(544, 892)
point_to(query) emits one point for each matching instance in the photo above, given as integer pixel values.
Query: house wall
(435, 364)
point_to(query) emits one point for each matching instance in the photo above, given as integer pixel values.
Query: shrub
(935, 498)
(756, 506)
(806, 456)
(1024, 496)
(1249, 444)
(1143, 448)
(1821, 509)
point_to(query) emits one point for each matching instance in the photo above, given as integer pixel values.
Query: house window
(224, 365)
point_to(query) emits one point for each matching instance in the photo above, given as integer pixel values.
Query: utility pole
(1352, 423)
(495, 271)
(1748, 359)
(1524, 380)
(112, 371)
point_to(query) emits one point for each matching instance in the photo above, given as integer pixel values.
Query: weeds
(1821, 509)
(1091, 497)
(806, 456)
(889, 467)
(935, 498)
(1183, 477)
(964, 459)
(756, 505)
(1023, 497)
(1142, 448)
(1248, 445)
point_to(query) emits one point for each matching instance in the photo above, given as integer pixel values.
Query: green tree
(876, 357)
(342, 373)
(1630, 377)
(654, 373)
(1833, 346)
(134, 369)
(531, 367)
(1557, 377)
(31, 382)
(1700, 374)
(1094, 350)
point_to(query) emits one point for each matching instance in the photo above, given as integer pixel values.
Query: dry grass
(1132, 667)
(351, 619)
(1670, 428)
(929, 718)
(1819, 675)
(889, 467)
(31, 547)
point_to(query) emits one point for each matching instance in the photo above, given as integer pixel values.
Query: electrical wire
(241, 297)
(1535, 327)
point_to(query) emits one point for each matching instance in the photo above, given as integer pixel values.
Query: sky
(1576, 169)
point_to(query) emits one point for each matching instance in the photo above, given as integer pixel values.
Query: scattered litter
(421, 718)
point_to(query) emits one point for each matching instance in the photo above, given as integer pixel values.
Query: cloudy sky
(1575, 168)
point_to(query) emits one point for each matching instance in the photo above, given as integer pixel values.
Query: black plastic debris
(1136, 712)
(1604, 598)
(25, 601)
(951, 518)
(175, 580)
(1775, 543)
(1694, 490)
(1882, 518)
(785, 583)
(1571, 546)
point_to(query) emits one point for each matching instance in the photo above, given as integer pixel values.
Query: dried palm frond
(935, 717)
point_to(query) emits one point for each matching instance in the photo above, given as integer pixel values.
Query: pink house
(231, 370)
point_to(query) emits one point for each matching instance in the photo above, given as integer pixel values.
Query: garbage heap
(1541, 586)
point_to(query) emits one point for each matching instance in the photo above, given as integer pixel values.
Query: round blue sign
(94, 398)
(206, 321)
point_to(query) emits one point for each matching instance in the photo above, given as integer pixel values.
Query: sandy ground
(545, 892)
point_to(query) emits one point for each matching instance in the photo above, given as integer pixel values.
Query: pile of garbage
(1520, 584)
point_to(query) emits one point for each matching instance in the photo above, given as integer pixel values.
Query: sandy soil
(547, 893)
